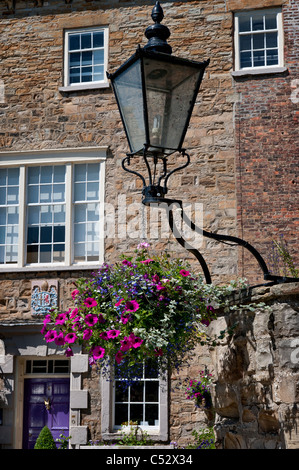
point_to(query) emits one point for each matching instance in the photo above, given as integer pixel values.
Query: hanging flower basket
(199, 391)
(142, 309)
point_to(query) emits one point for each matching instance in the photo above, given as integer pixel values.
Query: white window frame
(109, 431)
(260, 69)
(84, 85)
(67, 157)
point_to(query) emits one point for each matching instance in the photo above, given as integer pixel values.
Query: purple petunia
(90, 302)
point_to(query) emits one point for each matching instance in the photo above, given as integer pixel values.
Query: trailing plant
(143, 307)
(281, 260)
(199, 390)
(63, 441)
(45, 440)
(136, 436)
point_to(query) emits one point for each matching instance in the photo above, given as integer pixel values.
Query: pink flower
(118, 357)
(119, 302)
(90, 302)
(147, 261)
(156, 279)
(70, 337)
(104, 335)
(60, 319)
(69, 352)
(125, 262)
(59, 340)
(135, 340)
(125, 318)
(98, 352)
(113, 334)
(126, 344)
(74, 293)
(160, 287)
(47, 319)
(131, 306)
(184, 273)
(91, 319)
(50, 336)
(87, 334)
(74, 313)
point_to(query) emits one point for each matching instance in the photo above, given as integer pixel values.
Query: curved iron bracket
(227, 239)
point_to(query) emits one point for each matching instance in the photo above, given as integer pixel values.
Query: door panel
(36, 414)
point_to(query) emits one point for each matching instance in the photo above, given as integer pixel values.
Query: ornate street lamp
(156, 93)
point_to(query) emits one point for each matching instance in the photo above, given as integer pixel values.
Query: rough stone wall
(35, 114)
(257, 372)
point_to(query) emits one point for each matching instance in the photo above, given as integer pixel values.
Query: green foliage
(45, 440)
(135, 437)
(63, 441)
(281, 260)
(204, 439)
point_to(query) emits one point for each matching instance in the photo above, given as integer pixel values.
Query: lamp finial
(157, 34)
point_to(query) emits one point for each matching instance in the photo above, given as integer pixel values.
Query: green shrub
(45, 440)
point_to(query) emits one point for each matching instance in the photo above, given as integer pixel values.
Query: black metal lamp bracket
(154, 194)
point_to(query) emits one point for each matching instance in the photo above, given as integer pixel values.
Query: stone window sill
(258, 71)
(90, 86)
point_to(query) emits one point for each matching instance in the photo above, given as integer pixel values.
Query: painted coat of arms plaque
(44, 296)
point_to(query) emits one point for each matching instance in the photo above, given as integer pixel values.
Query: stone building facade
(242, 140)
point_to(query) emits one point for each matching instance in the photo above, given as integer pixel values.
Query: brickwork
(267, 154)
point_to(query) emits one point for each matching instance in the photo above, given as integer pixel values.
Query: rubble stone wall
(256, 392)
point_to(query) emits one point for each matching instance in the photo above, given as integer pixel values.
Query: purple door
(46, 403)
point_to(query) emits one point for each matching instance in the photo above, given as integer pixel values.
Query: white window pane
(92, 191)
(258, 41)
(33, 215)
(80, 213)
(74, 41)
(46, 215)
(58, 193)
(2, 216)
(33, 175)
(92, 249)
(12, 195)
(93, 172)
(257, 23)
(93, 212)
(98, 39)
(59, 174)
(46, 193)
(80, 191)
(98, 57)
(75, 59)
(80, 233)
(80, 173)
(271, 21)
(2, 195)
(271, 40)
(79, 251)
(13, 215)
(92, 232)
(86, 41)
(33, 194)
(3, 174)
(46, 174)
(2, 235)
(244, 24)
(2, 254)
(59, 214)
(13, 176)
(86, 58)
